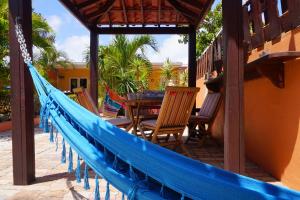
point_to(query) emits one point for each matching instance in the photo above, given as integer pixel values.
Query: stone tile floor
(53, 181)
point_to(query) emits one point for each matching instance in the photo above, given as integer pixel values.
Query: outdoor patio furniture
(143, 105)
(201, 123)
(86, 101)
(173, 117)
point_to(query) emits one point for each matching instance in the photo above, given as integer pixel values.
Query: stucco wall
(272, 116)
(64, 76)
(272, 125)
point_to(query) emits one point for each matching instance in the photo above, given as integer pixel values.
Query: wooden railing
(264, 20)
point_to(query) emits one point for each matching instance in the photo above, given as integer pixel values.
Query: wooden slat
(94, 42)
(22, 96)
(257, 38)
(273, 29)
(234, 158)
(192, 58)
(190, 15)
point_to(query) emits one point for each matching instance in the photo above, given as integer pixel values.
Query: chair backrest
(210, 105)
(85, 100)
(177, 106)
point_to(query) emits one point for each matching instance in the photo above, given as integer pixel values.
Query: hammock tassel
(63, 152)
(115, 163)
(51, 134)
(132, 174)
(77, 173)
(107, 195)
(182, 197)
(97, 193)
(70, 168)
(86, 177)
(46, 125)
(162, 191)
(56, 140)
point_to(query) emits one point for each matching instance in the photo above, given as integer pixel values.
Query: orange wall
(65, 75)
(155, 76)
(272, 116)
(272, 125)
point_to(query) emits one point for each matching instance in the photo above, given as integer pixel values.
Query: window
(83, 82)
(73, 84)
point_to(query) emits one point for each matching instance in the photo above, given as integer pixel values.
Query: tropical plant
(208, 30)
(166, 74)
(184, 78)
(123, 65)
(43, 38)
(50, 59)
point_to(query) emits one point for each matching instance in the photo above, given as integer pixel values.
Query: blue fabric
(180, 176)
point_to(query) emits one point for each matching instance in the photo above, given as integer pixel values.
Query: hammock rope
(135, 167)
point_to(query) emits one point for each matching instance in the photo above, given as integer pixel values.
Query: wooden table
(139, 104)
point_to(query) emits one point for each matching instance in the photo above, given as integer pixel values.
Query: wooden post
(21, 96)
(192, 58)
(94, 66)
(234, 159)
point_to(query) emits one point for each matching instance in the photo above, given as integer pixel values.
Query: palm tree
(123, 65)
(167, 73)
(50, 59)
(43, 38)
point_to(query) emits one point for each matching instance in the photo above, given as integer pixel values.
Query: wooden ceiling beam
(102, 10)
(124, 12)
(142, 13)
(71, 7)
(143, 30)
(203, 13)
(159, 12)
(86, 4)
(191, 16)
(194, 3)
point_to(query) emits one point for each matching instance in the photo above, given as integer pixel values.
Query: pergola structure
(130, 17)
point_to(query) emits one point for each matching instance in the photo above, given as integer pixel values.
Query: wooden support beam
(190, 16)
(159, 12)
(101, 11)
(86, 4)
(21, 96)
(194, 3)
(124, 12)
(142, 13)
(192, 68)
(234, 158)
(94, 42)
(70, 6)
(143, 30)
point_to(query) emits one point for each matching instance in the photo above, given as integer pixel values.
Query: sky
(73, 38)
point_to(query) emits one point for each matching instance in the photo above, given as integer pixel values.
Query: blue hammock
(138, 168)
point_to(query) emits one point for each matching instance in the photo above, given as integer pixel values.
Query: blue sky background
(73, 38)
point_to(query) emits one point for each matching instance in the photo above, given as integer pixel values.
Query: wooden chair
(173, 117)
(86, 101)
(201, 123)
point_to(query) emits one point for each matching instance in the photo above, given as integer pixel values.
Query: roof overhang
(139, 16)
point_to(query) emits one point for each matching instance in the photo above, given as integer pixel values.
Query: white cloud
(170, 48)
(74, 46)
(55, 22)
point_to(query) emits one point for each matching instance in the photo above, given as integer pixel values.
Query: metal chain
(22, 42)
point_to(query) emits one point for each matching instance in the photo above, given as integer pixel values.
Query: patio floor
(53, 181)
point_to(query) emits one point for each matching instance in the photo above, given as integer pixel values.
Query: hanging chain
(22, 42)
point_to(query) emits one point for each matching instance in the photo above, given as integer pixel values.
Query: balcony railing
(264, 20)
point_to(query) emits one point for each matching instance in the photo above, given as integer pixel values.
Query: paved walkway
(53, 181)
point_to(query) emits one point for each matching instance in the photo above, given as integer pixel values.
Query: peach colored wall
(202, 93)
(272, 125)
(65, 75)
(272, 116)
